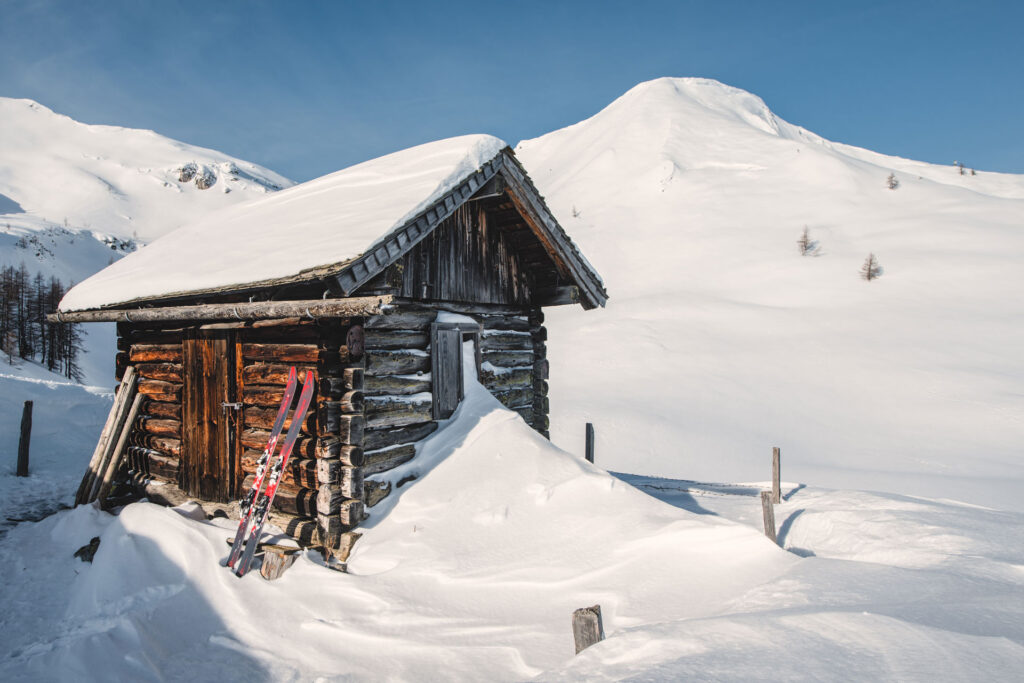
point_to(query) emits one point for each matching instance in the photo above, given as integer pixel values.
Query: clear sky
(306, 88)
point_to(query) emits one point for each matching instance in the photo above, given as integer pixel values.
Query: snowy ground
(476, 568)
(720, 341)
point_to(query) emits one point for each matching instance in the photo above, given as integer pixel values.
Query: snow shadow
(676, 492)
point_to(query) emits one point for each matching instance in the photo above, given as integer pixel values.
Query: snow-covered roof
(324, 222)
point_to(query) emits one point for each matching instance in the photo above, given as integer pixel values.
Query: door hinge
(235, 406)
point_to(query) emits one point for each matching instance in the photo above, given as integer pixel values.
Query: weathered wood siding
(466, 259)
(322, 487)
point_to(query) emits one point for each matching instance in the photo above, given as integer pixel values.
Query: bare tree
(892, 181)
(806, 245)
(871, 268)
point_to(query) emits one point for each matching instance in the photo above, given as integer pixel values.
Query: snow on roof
(325, 221)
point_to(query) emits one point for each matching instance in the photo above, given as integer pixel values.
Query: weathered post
(776, 475)
(590, 442)
(26, 435)
(587, 627)
(768, 512)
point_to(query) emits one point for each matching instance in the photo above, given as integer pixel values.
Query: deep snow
(474, 572)
(689, 198)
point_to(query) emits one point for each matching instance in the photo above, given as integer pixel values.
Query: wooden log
(505, 341)
(541, 404)
(401, 320)
(509, 359)
(153, 388)
(116, 454)
(331, 447)
(505, 322)
(256, 417)
(111, 429)
(387, 458)
(332, 500)
(519, 378)
(396, 385)
(350, 429)
(313, 473)
(153, 463)
(402, 362)
(281, 353)
(382, 438)
(164, 444)
(256, 310)
(276, 562)
(589, 453)
(516, 398)
(303, 529)
(158, 426)
(353, 379)
(170, 411)
(305, 446)
(375, 492)
(155, 353)
(262, 395)
(341, 549)
(776, 475)
(541, 368)
(263, 373)
(390, 340)
(166, 372)
(390, 411)
(768, 515)
(24, 439)
(292, 500)
(587, 627)
(352, 402)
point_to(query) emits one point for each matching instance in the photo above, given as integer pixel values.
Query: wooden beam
(558, 296)
(257, 310)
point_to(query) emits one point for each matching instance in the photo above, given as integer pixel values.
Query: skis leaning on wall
(246, 504)
(261, 508)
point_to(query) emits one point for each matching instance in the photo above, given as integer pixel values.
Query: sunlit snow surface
(720, 341)
(322, 222)
(475, 570)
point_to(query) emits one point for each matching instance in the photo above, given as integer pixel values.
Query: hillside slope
(720, 340)
(121, 181)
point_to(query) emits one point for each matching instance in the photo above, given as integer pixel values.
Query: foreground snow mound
(126, 182)
(689, 197)
(472, 575)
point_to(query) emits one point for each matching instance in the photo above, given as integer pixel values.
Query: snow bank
(322, 222)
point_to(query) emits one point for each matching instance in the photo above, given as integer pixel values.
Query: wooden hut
(344, 277)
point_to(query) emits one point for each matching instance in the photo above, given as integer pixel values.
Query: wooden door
(446, 369)
(208, 461)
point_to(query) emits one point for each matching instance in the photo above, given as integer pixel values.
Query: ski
(246, 504)
(261, 508)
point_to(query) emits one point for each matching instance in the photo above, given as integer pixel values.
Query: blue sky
(306, 88)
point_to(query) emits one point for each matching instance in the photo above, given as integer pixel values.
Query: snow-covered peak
(121, 181)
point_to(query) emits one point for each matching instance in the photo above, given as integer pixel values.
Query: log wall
(320, 497)
(373, 402)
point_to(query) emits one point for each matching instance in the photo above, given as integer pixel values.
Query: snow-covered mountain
(124, 182)
(720, 340)
(75, 197)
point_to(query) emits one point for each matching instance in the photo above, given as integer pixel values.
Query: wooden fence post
(776, 475)
(587, 627)
(768, 512)
(590, 443)
(26, 435)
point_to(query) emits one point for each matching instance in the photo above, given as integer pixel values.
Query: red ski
(263, 502)
(246, 504)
